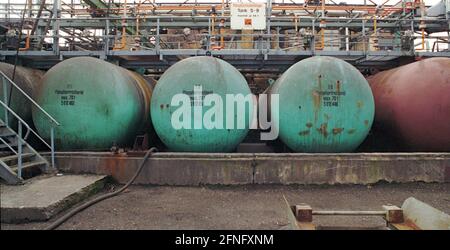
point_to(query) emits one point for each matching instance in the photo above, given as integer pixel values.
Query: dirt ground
(242, 207)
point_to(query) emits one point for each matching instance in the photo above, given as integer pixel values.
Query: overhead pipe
(137, 18)
(123, 43)
(422, 25)
(27, 42)
(322, 25)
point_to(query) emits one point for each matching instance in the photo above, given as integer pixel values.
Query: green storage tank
(28, 80)
(326, 105)
(98, 104)
(213, 76)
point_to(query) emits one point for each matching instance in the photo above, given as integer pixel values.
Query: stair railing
(21, 123)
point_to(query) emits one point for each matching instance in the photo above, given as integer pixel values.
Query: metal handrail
(9, 146)
(30, 99)
(170, 17)
(22, 122)
(17, 116)
(25, 124)
(20, 141)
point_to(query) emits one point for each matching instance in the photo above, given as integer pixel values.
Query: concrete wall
(264, 168)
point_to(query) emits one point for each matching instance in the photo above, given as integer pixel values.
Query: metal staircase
(18, 156)
(19, 151)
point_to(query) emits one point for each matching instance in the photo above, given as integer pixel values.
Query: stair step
(5, 153)
(12, 144)
(8, 175)
(8, 134)
(32, 163)
(14, 158)
(28, 165)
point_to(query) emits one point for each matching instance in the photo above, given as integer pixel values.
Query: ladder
(17, 155)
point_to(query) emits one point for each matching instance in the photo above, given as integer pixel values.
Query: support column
(56, 14)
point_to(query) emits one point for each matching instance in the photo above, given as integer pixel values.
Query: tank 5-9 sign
(250, 16)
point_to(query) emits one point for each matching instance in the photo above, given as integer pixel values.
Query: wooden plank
(406, 225)
(394, 214)
(306, 226)
(293, 222)
(303, 213)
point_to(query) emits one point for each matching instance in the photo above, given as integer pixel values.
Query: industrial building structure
(260, 39)
(155, 34)
(87, 85)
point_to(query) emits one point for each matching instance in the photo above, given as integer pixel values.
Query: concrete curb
(185, 169)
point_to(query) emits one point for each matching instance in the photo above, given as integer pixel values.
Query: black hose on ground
(80, 208)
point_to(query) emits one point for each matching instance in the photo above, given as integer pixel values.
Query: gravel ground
(242, 207)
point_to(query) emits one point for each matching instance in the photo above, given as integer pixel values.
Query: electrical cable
(80, 208)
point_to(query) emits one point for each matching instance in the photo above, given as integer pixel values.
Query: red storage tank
(413, 102)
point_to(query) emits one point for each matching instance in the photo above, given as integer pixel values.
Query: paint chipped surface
(304, 132)
(337, 130)
(323, 129)
(328, 90)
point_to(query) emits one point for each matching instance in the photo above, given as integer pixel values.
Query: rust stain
(351, 131)
(359, 104)
(304, 132)
(309, 125)
(337, 130)
(316, 98)
(406, 225)
(323, 129)
(411, 224)
(115, 166)
(338, 87)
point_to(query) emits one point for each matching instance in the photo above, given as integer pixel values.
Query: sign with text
(248, 16)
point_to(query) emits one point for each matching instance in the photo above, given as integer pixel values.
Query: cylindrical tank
(325, 105)
(206, 75)
(98, 104)
(413, 102)
(27, 79)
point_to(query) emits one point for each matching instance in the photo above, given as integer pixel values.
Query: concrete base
(262, 168)
(40, 198)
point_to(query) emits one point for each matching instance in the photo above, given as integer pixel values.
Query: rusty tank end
(28, 80)
(413, 102)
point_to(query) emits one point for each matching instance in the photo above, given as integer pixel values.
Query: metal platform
(150, 35)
